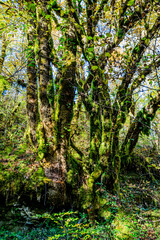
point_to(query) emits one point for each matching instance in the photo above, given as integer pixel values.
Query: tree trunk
(3, 51)
(55, 131)
(44, 38)
(32, 91)
(64, 108)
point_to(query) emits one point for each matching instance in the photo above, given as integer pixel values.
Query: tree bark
(32, 90)
(55, 116)
(44, 38)
(3, 51)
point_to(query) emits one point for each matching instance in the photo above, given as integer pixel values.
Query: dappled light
(79, 119)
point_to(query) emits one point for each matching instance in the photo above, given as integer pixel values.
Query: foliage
(127, 218)
(79, 106)
(19, 177)
(12, 121)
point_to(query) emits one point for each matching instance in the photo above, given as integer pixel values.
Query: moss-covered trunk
(32, 91)
(94, 168)
(55, 117)
(64, 106)
(3, 51)
(105, 159)
(44, 39)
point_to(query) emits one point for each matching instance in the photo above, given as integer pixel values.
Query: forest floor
(135, 216)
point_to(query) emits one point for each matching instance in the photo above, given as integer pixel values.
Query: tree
(51, 119)
(117, 43)
(109, 107)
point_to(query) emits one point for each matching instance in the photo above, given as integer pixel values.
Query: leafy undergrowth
(135, 215)
(70, 225)
(139, 214)
(21, 172)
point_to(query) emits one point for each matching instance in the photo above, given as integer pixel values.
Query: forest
(79, 119)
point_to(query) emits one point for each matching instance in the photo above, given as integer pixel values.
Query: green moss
(92, 145)
(123, 226)
(70, 175)
(103, 148)
(28, 135)
(89, 190)
(42, 148)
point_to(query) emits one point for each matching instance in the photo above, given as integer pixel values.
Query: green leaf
(47, 17)
(108, 35)
(131, 3)
(91, 49)
(89, 38)
(94, 67)
(108, 54)
(147, 40)
(3, 84)
(137, 49)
